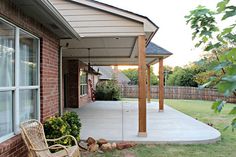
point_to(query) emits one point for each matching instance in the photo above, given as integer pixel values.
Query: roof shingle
(154, 49)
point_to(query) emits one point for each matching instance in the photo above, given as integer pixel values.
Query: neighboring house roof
(154, 49)
(107, 73)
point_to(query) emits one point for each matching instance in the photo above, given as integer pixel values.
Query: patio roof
(109, 32)
(155, 51)
(90, 18)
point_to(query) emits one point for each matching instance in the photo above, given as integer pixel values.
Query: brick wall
(84, 100)
(73, 84)
(49, 95)
(71, 70)
(49, 78)
(13, 147)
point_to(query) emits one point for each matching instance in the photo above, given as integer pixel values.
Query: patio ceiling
(111, 51)
(104, 51)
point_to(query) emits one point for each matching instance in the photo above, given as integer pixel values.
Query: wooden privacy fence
(177, 92)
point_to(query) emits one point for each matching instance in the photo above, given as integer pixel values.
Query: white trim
(83, 95)
(2, 19)
(16, 105)
(28, 33)
(28, 87)
(6, 137)
(38, 73)
(3, 89)
(61, 89)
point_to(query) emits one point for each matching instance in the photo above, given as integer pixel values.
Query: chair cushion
(73, 152)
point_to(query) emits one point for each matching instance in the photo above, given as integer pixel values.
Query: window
(83, 83)
(19, 78)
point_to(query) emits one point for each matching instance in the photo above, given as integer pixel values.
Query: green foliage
(74, 124)
(185, 76)
(56, 127)
(132, 74)
(154, 79)
(68, 124)
(220, 43)
(108, 90)
(203, 23)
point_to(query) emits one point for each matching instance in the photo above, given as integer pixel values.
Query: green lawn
(197, 109)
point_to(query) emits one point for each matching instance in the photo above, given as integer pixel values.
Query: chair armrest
(73, 138)
(55, 146)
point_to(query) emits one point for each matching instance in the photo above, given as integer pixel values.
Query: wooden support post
(142, 86)
(161, 84)
(148, 83)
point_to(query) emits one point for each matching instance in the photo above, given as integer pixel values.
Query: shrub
(108, 90)
(73, 121)
(68, 124)
(56, 127)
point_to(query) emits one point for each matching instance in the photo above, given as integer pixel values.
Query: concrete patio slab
(118, 121)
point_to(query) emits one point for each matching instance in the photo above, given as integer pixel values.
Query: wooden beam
(161, 84)
(134, 50)
(142, 131)
(148, 83)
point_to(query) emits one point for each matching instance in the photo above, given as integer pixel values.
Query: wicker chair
(34, 137)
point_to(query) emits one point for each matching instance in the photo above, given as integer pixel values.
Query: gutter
(48, 6)
(150, 38)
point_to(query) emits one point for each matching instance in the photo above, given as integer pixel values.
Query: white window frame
(82, 85)
(16, 88)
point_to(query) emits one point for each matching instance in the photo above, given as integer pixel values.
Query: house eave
(149, 26)
(69, 29)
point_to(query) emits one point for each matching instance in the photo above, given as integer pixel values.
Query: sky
(173, 34)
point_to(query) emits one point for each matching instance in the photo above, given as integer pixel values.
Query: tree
(132, 74)
(185, 76)
(219, 42)
(153, 77)
(206, 64)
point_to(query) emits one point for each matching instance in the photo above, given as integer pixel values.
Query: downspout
(60, 82)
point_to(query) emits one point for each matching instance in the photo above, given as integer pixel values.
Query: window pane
(28, 104)
(83, 77)
(7, 54)
(28, 59)
(6, 113)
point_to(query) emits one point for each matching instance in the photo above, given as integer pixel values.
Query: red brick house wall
(49, 65)
(84, 100)
(73, 84)
(49, 80)
(71, 68)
